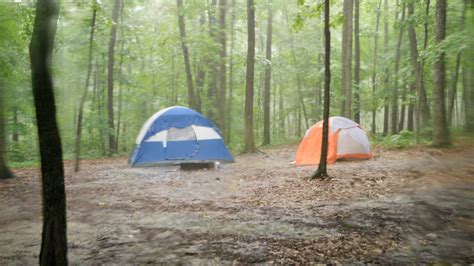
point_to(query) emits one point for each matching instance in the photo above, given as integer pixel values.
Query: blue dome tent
(179, 135)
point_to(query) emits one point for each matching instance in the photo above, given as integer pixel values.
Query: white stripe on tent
(150, 121)
(160, 136)
(202, 133)
(205, 133)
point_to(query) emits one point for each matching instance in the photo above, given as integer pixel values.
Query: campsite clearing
(401, 206)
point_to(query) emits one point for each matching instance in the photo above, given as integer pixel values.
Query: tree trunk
(374, 73)
(53, 242)
(299, 84)
(4, 171)
(120, 92)
(231, 73)
(357, 64)
(281, 113)
(422, 106)
(249, 86)
(77, 144)
(322, 171)
(440, 127)
(187, 65)
(386, 110)
(221, 95)
(452, 94)
(15, 135)
(401, 122)
(268, 77)
(201, 73)
(110, 79)
(411, 110)
(394, 96)
(346, 59)
(213, 66)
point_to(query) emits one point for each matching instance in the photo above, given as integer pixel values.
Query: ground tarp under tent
(179, 135)
(346, 140)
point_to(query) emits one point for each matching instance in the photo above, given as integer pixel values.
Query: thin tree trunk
(322, 171)
(298, 122)
(440, 127)
(120, 92)
(53, 241)
(4, 171)
(281, 113)
(411, 110)
(187, 65)
(394, 96)
(357, 64)
(422, 106)
(213, 66)
(268, 77)
(221, 95)
(401, 122)
(201, 73)
(453, 92)
(299, 84)
(173, 79)
(346, 59)
(249, 85)
(15, 135)
(386, 109)
(110, 79)
(374, 73)
(77, 144)
(231, 73)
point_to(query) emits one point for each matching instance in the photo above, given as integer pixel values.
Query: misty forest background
(117, 62)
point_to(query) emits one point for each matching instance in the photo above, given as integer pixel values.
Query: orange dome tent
(346, 140)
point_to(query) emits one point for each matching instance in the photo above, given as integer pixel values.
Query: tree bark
(299, 84)
(213, 66)
(201, 73)
(322, 170)
(4, 171)
(468, 77)
(386, 109)
(53, 242)
(453, 92)
(221, 96)
(394, 96)
(440, 127)
(346, 59)
(231, 73)
(357, 64)
(120, 89)
(422, 105)
(411, 110)
(249, 85)
(187, 65)
(15, 135)
(110, 78)
(268, 77)
(281, 112)
(374, 73)
(77, 144)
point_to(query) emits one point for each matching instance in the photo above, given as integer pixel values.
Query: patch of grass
(402, 140)
(25, 164)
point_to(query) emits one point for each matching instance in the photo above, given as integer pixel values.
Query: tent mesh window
(181, 134)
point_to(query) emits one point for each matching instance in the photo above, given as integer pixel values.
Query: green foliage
(149, 69)
(402, 140)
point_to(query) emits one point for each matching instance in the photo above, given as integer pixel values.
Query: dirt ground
(413, 206)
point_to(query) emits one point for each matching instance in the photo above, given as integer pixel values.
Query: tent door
(181, 144)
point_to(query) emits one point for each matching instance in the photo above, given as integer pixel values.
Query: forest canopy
(382, 63)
